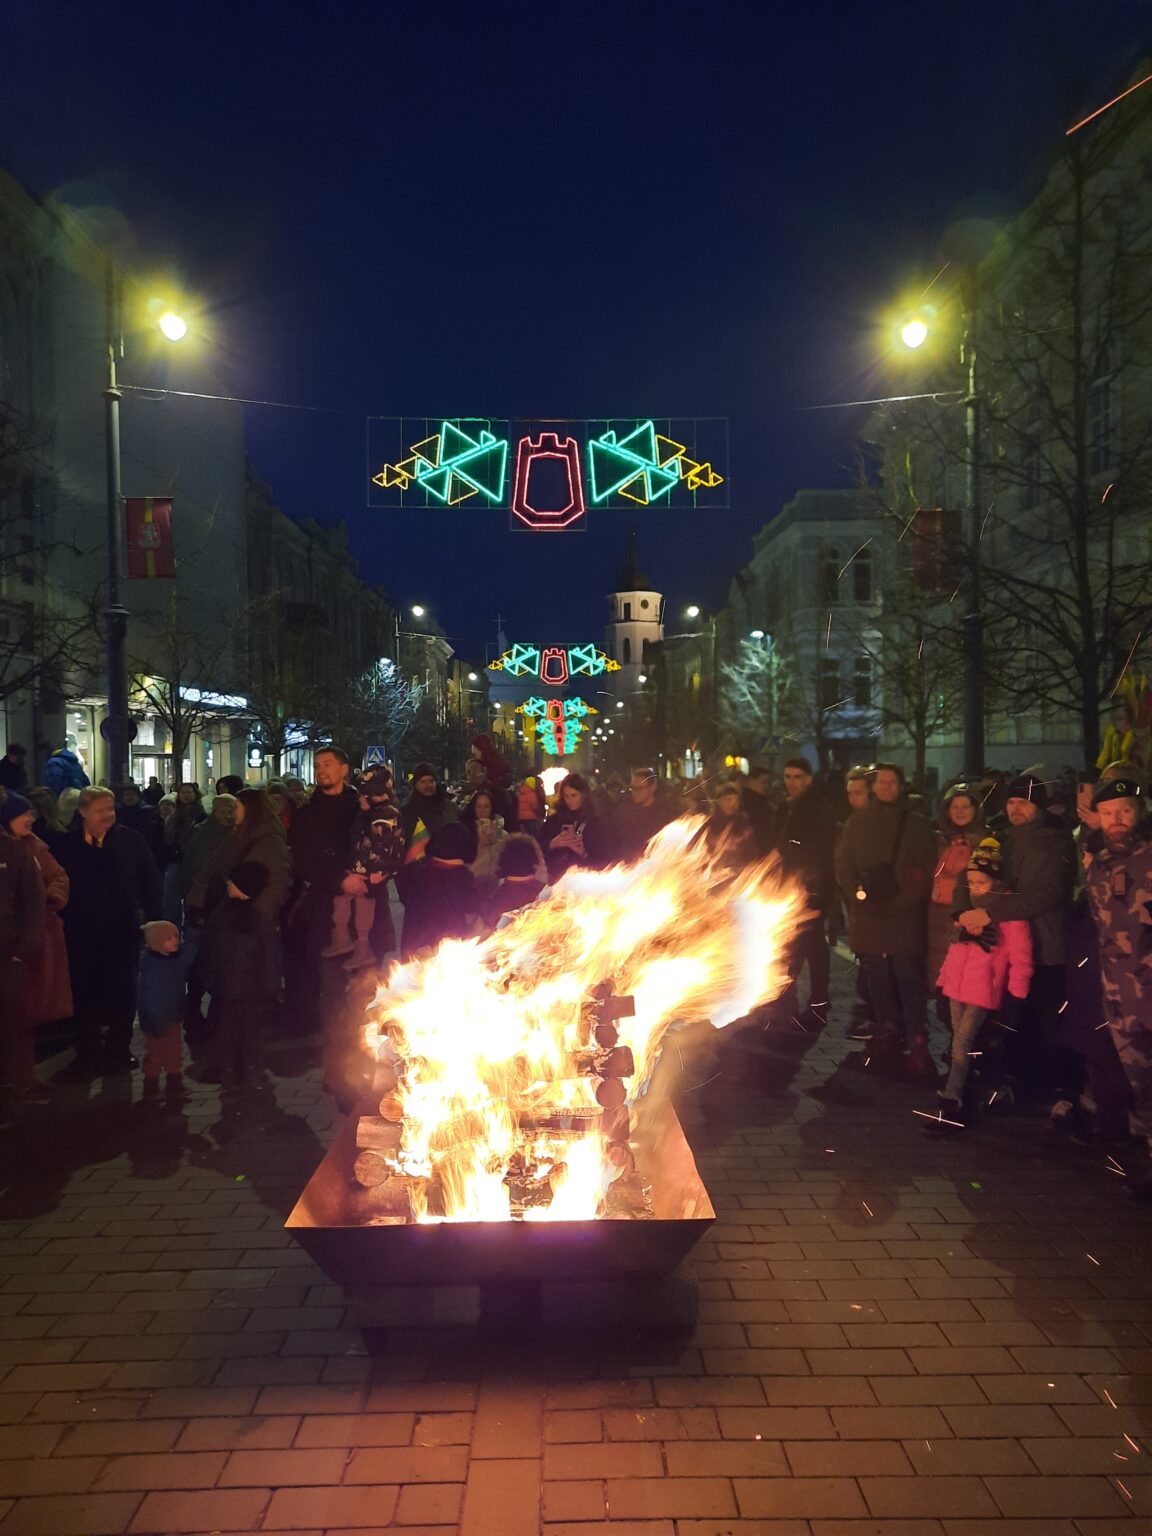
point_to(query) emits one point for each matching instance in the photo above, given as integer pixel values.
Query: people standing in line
(440, 897)
(63, 770)
(427, 809)
(640, 815)
(804, 835)
(960, 827)
(884, 869)
(320, 838)
(531, 807)
(114, 898)
(362, 929)
(1040, 873)
(14, 769)
(978, 970)
(518, 883)
(22, 917)
(187, 815)
(490, 835)
(1119, 885)
(574, 834)
(756, 800)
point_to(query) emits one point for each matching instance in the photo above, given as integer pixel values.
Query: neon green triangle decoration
(484, 468)
(610, 467)
(453, 442)
(661, 481)
(436, 482)
(642, 442)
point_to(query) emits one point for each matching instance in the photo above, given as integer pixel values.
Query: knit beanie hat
(11, 806)
(985, 858)
(249, 877)
(1028, 788)
(424, 771)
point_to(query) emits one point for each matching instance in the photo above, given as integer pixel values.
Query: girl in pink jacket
(977, 971)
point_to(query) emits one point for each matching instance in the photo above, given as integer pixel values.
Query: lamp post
(914, 333)
(117, 727)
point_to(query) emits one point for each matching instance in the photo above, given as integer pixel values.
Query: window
(862, 683)
(830, 694)
(643, 602)
(626, 650)
(1102, 419)
(827, 582)
(862, 577)
(627, 610)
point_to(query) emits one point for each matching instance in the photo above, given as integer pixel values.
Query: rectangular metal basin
(471, 1253)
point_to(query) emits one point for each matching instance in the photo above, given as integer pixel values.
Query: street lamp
(914, 333)
(116, 725)
(692, 612)
(417, 611)
(755, 634)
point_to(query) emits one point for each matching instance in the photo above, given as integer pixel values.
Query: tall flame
(483, 1034)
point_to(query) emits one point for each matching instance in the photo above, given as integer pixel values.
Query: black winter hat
(1028, 788)
(1116, 789)
(424, 771)
(250, 877)
(452, 841)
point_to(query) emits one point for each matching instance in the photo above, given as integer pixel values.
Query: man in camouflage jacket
(1119, 886)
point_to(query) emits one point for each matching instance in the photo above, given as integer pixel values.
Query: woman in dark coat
(574, 834)
(114, 892)
(47, 995)
(178, 829)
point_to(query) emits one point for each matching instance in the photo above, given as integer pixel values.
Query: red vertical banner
(148, 537)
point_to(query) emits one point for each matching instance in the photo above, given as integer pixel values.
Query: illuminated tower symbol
(535, 500)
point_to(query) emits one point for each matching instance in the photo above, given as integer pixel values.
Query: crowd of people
(1021, 915)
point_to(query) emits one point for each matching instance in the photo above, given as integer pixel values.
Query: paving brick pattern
(897, 1336)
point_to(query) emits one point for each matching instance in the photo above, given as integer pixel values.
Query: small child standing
(377, 852)
(978, 971)
(164, 972)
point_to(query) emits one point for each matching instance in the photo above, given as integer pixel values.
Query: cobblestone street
(896, 1335)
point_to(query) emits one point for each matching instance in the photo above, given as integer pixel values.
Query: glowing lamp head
(756, 634)
(172, 325)
(417, 611)
(472, 677)
(693, 612)
(914, 334)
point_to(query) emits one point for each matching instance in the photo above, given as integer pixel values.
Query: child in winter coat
(978, 970)
(163, 981)
(377, 853)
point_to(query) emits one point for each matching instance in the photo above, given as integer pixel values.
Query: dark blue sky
(688, 207)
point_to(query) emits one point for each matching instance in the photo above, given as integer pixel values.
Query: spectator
(489, 836)
(519, 882)
(805, 836)
(22, 916)
(1119, 885)
(960, 827)
(229, 784)
(857, 795)
(530, 806)
(503, 800)
(320, 839)
(164, 971)
(114, 899)
(188, 814)
(131, 811)
(46, 993)
(13, 769)
(884, 868)
(153, 793)
(728, 833)
(574, 834)
(297, 789)
(439, 893)
(426, 810)
(858, 789)
(1040, 874)
(977, 971)
(66, 802)
(637, 819)
(497, 773)
(756, 800)
(375, 856)
(63, 771)
(202, 857)
(47, 825)
(282, 803)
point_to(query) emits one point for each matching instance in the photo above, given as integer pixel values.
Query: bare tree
(181, 653)
(756, 695)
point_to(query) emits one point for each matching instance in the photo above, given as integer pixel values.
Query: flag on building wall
(151, 552)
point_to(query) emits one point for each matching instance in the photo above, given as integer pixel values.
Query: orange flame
(483, 1035)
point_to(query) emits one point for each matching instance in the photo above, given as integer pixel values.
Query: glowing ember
(507, 1067)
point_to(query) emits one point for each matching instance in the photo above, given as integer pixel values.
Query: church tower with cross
(635, 621)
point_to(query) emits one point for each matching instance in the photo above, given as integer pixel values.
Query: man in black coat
(636, 820)
(114, 895)
(804, 835)
(13, 769)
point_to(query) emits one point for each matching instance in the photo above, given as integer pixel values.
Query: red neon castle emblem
(566, 509)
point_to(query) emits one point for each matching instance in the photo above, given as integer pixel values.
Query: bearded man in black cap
(1119, 886)
(1040, 873)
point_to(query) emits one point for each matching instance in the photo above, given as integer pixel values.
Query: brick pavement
(896, 1335)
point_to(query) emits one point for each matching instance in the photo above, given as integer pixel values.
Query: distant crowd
(1021, 912)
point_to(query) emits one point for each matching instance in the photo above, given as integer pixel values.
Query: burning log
(374, 1134)
(618, 1061)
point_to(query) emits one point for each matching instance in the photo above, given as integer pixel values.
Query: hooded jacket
(63, 771)
(1039, 867)
(980, 974)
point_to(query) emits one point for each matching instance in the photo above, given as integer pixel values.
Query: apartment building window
(862, 577)
(862, 683)
(828, 572)
(830, 694)
(1102, 419)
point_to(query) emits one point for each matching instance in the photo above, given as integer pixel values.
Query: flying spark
(1094, 1260)
(1123, 669)
(1107, 488)
(908, 524)
(1092, 116)
(1121, 1487)
(704, 1084)
(1132, 1443)
(828, 636)
(1111, 1399)
(866, 1206)
(852, 557)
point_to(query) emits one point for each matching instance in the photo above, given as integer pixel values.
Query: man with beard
(1119, 886)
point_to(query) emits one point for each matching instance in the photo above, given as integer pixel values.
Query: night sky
(539, 210)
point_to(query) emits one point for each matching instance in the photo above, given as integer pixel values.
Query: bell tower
(636, 618)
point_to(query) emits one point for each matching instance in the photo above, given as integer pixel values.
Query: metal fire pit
(478, 1253)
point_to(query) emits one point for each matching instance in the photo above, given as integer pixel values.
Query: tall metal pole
(973, 627)
(115, 614)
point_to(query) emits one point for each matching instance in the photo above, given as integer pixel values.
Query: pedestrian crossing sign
(375, 755)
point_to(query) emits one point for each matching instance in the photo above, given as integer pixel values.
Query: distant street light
(756, 634)
(472, 678)
(693, 612)
(643, 678)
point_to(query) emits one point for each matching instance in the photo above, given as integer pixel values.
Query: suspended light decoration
(554, 665)
(559, 722)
